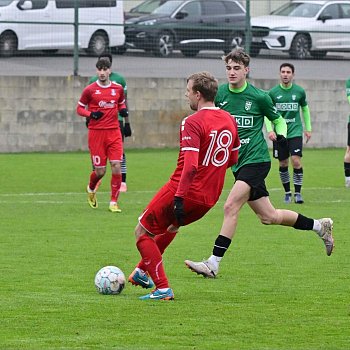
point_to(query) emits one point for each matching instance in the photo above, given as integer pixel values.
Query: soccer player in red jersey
(209, 145)
(101, 101)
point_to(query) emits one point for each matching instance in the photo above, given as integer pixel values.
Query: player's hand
(179, 210)
(96, 115)
(127, 130)
(272, 136)
(124, 113)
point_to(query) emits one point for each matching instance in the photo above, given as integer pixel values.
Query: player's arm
(349, 99)
(307, 121)
(236, 145)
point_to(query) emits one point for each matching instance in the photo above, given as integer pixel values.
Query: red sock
(93, 180)
(152, 258)
(116, 181)
(163, 242)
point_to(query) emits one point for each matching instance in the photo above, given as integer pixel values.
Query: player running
(209, 144)
(250, 105)
(101, 101)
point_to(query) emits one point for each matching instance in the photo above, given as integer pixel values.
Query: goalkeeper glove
(96, 115)
(179, 210)
(124, 113)
(87, 121)
(127, 130)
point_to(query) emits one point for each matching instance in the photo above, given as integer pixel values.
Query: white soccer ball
(110, 280)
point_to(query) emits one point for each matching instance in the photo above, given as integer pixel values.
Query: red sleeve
(235, 147)
(188, 173)
(82, 111)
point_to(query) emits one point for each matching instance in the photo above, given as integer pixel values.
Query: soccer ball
(110, 280)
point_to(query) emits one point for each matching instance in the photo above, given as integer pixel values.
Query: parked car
(189, 26)
(304, 28)
(144, 8)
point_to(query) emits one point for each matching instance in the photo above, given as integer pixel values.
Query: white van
(48, 25)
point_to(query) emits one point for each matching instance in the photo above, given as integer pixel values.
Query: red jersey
(108, 99)
(209, 141)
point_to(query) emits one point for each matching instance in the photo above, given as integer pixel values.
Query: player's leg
(238, 196)
(268, 215)
(347, 161)
(283, 157)
(296, 151)
(115, 154)
(99, 159)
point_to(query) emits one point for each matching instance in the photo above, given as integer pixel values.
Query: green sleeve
(349, 98)
(268, 125)
(307, 118)
(280, 126)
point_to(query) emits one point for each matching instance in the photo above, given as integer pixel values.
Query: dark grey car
(189, 26)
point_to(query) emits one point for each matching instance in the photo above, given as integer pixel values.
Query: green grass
(277, 289)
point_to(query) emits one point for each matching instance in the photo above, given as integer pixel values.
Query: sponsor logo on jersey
(105, 104)
(97, 92)
(292, 120)
(248, 105)
(244, 121)
(287, 106)
(245, 141)
(222, 104)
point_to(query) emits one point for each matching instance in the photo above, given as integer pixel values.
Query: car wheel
(164, 45)
(119, 50)
(318, 54)
(98, 44)
(8, 44)
(300, 47)
(190, 52)
(235, 41)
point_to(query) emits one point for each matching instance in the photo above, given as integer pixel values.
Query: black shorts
(349, 134)
(254, 175)
(294, 147)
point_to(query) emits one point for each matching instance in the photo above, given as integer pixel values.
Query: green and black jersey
(288, 102)
(248, 105)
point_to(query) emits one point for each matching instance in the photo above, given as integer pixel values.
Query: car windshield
(146, 7)
(168, 8)
(5, 2)
(298, 9)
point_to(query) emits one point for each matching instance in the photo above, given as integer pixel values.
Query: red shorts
(103, 144)
(159, 214)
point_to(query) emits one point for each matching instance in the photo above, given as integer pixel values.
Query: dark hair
(286, 64)
(238, 56)
(106, 55)
(205, 83)
(103, 63)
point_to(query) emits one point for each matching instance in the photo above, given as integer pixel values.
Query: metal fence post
(76, 37)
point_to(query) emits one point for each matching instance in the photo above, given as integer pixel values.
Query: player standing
(208, 146)
(250, 105)
(101, 101)
(347, 152)
(124, 121)
(289, 98)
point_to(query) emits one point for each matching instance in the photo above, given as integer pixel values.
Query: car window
(232, 7)
(168, 7)
(345, 9)
(147, 6)
(298, 10)
(36, 5)
(5, 2)
(332, 11)
(214, 8)
(192, 8)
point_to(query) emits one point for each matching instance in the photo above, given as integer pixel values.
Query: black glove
(87, 121)
(124, 113)
(127, 130)
(96, 115)
(179, 210)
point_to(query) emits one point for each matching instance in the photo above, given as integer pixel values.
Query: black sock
(284, 176)
(304, 223)
(221, 245)
(298, 179)
(123, 177)
(347, 169)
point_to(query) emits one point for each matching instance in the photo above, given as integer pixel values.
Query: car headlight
(150, 22)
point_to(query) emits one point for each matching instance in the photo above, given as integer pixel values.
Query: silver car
(304, 28)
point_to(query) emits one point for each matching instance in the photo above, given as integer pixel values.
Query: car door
(329, 29)
(36, 34)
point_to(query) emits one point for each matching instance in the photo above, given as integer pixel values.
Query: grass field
(277, 289)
